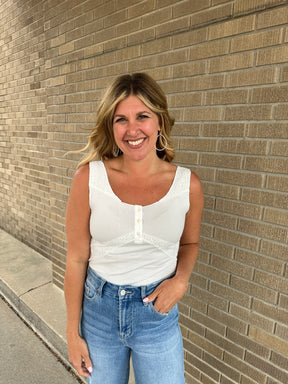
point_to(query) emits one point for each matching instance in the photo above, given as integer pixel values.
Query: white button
(122, 292)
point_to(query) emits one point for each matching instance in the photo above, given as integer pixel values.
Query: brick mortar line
(252, 220)
(231, 288)
(223, 154)
(244, 348)
(247, 218)
(240, 247)
(232, 170)
(175, 33)
(230, 315)
(240, 262)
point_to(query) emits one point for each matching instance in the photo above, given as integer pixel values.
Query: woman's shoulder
(195, 185)
(84, 170)
(80, 185)
(194, 180)
(193, 176)
(81, 175)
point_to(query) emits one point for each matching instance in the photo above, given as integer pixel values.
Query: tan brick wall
(25, 173)
(223, 65)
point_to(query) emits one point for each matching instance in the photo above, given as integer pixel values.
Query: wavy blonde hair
(101, 144)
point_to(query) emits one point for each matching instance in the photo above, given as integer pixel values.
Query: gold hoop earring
(115, 151)
(164, 140)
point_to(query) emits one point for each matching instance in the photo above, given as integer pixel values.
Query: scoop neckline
(139, 205)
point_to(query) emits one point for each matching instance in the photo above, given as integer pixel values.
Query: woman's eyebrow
(118, 115)
(138, 113)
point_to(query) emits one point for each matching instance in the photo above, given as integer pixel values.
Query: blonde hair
(101, 144)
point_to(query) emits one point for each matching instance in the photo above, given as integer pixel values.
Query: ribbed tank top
(133, 244)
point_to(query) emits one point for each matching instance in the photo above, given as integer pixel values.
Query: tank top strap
(98, 180)
(182, 182)
(97, 176)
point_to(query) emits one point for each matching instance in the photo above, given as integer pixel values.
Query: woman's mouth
(134, 143)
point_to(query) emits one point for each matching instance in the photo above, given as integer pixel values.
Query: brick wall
(223, 65)
(24, 157)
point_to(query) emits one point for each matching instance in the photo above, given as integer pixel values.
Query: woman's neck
(140, 168)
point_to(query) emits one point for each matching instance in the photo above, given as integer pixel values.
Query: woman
(133, 223)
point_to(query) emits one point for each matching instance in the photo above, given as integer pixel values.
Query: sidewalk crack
(34, 288)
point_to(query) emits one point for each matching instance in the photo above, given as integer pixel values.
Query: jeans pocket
(89, 289)
(154, 310)
(93, 288)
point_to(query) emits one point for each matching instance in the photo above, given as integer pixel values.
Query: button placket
(138, 211)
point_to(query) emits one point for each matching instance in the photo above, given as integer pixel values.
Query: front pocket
(90, 290)
(151, 305)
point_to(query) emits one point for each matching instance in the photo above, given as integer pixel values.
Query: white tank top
(133, 244)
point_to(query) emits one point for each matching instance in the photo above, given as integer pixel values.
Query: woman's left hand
(167, 294)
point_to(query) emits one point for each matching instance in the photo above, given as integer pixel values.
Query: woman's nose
(132, 127)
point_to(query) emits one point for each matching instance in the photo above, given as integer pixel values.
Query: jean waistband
(104, 286)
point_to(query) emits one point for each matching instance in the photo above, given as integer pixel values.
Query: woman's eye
(119, 120)
(123, 119)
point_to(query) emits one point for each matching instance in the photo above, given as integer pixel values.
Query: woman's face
(135, 128)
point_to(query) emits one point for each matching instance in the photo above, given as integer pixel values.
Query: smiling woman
(133, 223)
(135, 128)
(101, 144)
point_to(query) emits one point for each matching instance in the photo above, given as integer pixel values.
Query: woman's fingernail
(146, 300)
(90, 369)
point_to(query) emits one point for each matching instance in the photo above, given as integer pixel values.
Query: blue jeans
(116, 324)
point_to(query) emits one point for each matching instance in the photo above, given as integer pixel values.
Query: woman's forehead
(131, 103)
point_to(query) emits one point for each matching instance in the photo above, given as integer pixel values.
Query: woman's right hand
(79, 355)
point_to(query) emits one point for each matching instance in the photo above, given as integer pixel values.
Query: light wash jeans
(116, 324)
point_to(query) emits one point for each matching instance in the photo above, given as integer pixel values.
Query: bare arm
(189, 243)
(78, 251)
(170, 291)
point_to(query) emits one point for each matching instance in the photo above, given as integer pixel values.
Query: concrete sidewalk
(26, 283)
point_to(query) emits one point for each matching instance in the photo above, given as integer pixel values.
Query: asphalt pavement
(24, 358)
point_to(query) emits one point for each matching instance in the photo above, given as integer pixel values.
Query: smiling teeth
(137, 142)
